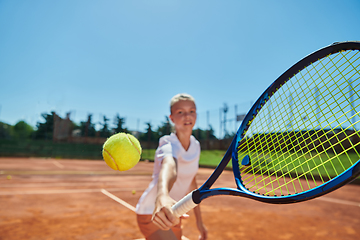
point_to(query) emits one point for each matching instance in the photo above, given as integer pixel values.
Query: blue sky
(130, 57)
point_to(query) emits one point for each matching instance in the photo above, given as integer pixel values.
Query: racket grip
(184, 205)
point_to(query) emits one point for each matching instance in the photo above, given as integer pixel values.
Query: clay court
(54, 199)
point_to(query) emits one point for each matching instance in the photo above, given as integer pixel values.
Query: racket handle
(184, 205)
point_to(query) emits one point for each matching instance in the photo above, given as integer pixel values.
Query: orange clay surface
(48, 199)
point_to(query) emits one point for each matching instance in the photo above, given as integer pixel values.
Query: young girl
(175, 168)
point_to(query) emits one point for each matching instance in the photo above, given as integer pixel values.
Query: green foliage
(204, 134)
(43, 148)
(165, 128)
(88, 128)
(119, 122)
(105, 131)
(45, 129)
(22, 130)
(6, 131)
(149, 135)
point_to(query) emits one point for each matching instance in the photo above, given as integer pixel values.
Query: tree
(150, 135)
(204, 134)
(105, 132)
(211, 133)
(45, 129)
(5, 130)
(22, 130)
(88, 128)
(119, 123)
(165, 128)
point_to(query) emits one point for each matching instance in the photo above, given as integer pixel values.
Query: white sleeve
(164, 149)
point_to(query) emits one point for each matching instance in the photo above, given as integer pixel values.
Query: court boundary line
(125, 204)
(56, 163)
(339, 201)
(115, 198)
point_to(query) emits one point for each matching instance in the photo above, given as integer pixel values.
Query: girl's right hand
(163, 216)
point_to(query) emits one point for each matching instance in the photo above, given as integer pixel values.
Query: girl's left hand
(203, 232)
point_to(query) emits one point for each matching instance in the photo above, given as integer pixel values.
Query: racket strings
(298, 176)
(325, 151)
(306, 133)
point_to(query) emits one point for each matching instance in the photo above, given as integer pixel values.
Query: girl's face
(183, 115)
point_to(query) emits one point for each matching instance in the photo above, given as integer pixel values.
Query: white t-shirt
(187, 167)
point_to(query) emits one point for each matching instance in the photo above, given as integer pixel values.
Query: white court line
(125, 204)
(122, 202)
(56, 163)
(333, 200)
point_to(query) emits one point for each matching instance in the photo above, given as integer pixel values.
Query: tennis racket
(301, 138)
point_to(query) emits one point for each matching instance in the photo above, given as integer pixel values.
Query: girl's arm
(199, 221)
(163, 216)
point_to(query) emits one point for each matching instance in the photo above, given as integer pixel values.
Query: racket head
(301, 138)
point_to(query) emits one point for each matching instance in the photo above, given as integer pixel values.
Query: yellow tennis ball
(121, 151)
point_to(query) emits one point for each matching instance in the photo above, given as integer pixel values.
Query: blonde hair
(179, 97)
